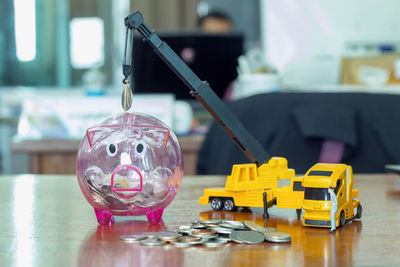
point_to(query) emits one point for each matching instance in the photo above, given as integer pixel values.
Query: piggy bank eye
(112, 150)
(140, 148)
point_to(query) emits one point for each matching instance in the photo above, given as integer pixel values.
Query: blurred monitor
(213, 58)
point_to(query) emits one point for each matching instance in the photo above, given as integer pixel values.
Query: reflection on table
(47, 221)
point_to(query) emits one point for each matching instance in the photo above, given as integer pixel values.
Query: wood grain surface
(45, 221)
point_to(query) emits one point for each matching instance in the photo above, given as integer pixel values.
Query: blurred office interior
(281, 64)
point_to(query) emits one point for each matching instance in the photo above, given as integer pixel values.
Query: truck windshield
(316, 193)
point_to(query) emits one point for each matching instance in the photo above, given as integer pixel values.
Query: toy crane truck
(317, 203)
(249, 185)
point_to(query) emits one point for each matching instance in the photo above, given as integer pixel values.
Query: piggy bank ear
(160, 133)
(98, 133)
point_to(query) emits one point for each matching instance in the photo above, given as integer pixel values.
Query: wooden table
(46, 221)
(59, 156)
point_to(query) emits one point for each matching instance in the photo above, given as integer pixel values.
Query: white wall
(312, 31)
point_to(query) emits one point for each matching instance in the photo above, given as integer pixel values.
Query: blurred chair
(306, 127)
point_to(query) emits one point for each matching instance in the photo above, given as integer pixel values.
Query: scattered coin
(216, 222)
(181, 244)
(227, 239)
(233, 226)
(253, 226)
(208, 237)
(222, 230)
(185, 229)
(132, 237)
(212, 225)
(251, 237)
(202, 232)
(269, 229)
(210, 233)
(150, 234)
(277, 237)
(152, 242)
(166, 236)
(234, 237)
(199, 226)
(189, 238)
(126, 99)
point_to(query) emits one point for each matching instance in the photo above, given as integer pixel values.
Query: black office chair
(296, 125)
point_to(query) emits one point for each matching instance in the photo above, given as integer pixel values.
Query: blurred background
(289, 60)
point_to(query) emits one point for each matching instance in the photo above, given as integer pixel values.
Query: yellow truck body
(247, 183)
(317, 204)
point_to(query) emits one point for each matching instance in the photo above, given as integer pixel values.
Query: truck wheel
(216, 203)
(342, 219)
(229, 205)
(359, 211)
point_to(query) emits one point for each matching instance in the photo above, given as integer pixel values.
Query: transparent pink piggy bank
(130, 164)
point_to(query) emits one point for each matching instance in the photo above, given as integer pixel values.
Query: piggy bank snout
(126, 181)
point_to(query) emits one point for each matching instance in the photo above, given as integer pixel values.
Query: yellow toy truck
(246, 185)
(317, 204)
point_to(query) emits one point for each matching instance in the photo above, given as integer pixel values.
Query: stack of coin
(211, 233)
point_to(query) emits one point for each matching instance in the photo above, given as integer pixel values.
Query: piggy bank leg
(154, 216)
(104, 217)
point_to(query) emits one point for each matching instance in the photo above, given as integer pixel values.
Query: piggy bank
(130, 164)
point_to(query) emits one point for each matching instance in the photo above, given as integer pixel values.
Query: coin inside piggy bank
(130, 164)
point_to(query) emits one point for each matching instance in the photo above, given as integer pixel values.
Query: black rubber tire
(359, 211)
(216, 203)
(342, 219)
(229, 204)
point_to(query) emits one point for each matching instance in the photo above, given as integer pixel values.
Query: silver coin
(189, 239)
(233, 226)
(132, 237)
(210, 222)
(152, 242)
(150, 234)
(222, 230)
(208, 237)
(167, 235)
(214, 243)
(234, 223)
(227, 239)
(199, 226)
(184, 229)
(277, 237)
(181, 244)
(253, 226)
(187, 232)
(126, 98)
(234, 237)
(202, 232)
(251, 237)
(211, 225)
(202, 241)
(269, 229)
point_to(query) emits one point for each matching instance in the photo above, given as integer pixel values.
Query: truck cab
(317, 204)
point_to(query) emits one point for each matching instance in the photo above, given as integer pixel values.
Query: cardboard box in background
(371, 70)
